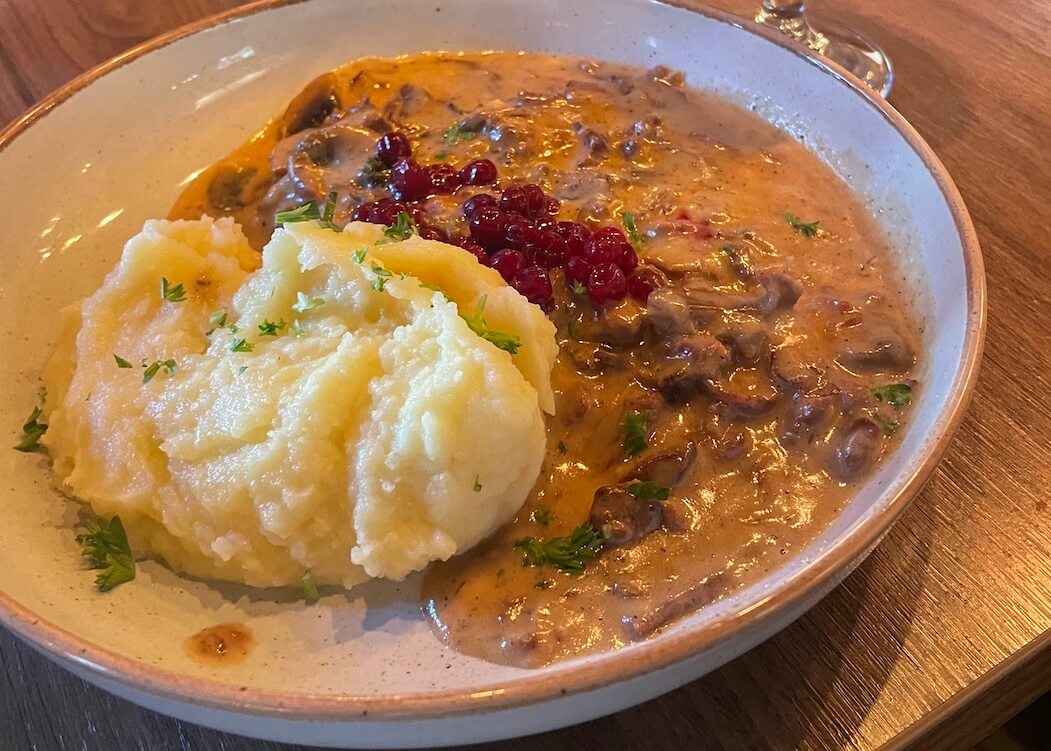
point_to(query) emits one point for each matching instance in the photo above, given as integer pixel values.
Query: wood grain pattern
(946, 630)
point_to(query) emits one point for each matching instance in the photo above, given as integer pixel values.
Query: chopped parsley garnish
(562, 447)
(328, 212)
(373, 173)
(732, 253)
(895, 394)
(571, 553)
(106, 547)
(382, 275)
(402, 229)
(242, 369)
(309, 211)
(633, 426)
(170, 368)
(241, 345)
(578, 287)
(269, 328)
(302, 213)
(305, 302)
(477, 484)
(216, 320)
(807, 229)
(359, 255)
(32, 430)
(121, 362)
(295, 329)
(455, 134)
(636, 238)
(889, 427)
(571, 316)
(310, 593)
(541, 516)
(171, 293)
(649, 491)
(476, 323)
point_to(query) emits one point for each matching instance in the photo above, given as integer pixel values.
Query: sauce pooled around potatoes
(736, 345)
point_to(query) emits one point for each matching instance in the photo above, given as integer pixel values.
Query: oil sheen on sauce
(726, 203)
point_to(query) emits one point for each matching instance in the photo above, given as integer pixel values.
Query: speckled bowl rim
(610, 667)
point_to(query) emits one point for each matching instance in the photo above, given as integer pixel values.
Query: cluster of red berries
(516, 233)
(411, 182)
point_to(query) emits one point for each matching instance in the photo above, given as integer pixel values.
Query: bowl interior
(87, 174)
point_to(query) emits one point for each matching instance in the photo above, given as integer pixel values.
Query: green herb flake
(295, 329)
(571, 328)
(578, 287)
(310, 592)
(732, 253)
(310, 211)
(302, 213)
(359, 255)
(649, 491)
(456, 134)
(169, 366)
(106, 548)
(807, 229)
(402, 229)
(571, 553)
(269, 328)
(328, 213)
(889, 427)
(32, 430)
(176, 293)
(636, 238)
(242, 369)
(121, 362)
(562, 448)
(216, 320)
(241, 345)
(373, 174)
(476, 323)
(477, 484)
(634, 428)
(305, 302)
(541, 516)
(382, 276)
(897, 395)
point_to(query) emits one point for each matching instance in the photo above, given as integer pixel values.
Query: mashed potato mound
(372, 433)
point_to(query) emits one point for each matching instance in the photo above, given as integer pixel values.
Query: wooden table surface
(946, 630)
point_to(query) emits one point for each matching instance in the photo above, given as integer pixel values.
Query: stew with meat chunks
(737, 344)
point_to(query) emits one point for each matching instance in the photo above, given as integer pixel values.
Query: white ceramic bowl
(79, 174)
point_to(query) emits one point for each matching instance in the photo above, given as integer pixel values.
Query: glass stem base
(852, 51)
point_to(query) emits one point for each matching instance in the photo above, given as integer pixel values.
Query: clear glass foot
(852, 51)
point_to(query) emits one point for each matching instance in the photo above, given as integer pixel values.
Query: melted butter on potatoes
(374, 433)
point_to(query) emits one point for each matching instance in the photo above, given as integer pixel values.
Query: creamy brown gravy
(785, 385)
(224, 644)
